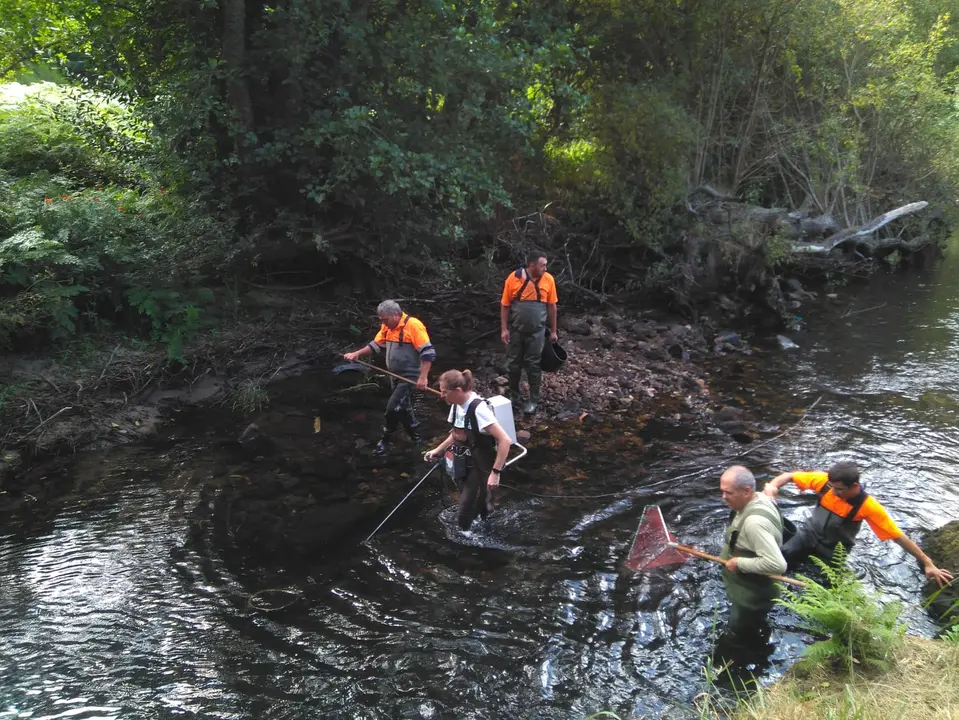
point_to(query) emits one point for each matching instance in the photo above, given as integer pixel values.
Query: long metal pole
(430, 472)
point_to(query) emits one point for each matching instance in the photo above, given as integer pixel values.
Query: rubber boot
(531, 406)
(410, 424)
(383, 446)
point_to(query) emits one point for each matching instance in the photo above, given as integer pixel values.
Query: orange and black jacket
(407, 346)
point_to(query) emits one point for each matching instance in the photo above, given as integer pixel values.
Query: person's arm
(757, 534)
(772, 487)
(551, 317)
(423, 381)
(503, 444)
(928, 566)
(363, 352)
(504, 323)
(432, 455)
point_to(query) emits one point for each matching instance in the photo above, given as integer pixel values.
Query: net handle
(714, 558)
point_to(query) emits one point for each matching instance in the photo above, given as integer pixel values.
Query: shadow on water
(118, 607)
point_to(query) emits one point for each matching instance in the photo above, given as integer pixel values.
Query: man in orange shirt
(409, 353)
(842, 506)
(527, 306)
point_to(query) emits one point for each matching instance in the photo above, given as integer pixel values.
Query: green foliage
(78, 252)
(385, 135)
(859, 628)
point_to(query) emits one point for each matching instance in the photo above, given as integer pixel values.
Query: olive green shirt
(757, 533)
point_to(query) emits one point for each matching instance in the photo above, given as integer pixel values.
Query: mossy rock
(942, 546)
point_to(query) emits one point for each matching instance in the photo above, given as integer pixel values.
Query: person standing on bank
(476, 447)
(752, 552)
(842, 506)
(527, 307)
(409, 353)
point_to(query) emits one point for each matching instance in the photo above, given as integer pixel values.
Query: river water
(106, 613)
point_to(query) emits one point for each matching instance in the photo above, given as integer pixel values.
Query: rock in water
(785, 343)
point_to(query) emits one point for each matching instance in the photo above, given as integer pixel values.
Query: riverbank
(922, 684)
(111, 389)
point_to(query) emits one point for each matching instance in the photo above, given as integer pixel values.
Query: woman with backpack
(476, 448)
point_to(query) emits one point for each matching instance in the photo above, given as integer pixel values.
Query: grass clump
(251, 396)
(922, 683)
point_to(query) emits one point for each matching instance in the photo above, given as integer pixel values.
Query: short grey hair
(389, 307)
(742, 478)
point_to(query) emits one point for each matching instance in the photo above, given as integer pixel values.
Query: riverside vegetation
(863, 666)
(191, 154)
(188, 153)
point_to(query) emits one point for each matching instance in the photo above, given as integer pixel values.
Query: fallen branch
(859, 234)
(61, 410)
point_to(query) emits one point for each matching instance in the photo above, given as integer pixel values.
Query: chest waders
(830, 529)
(479, 453)
(403, 359)
(527, 327)
(750, 591)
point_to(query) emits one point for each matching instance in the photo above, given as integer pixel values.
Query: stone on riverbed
(942, 546)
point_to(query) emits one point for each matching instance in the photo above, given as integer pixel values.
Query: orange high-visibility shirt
(871, 511)
(547, 289)
(411, 329)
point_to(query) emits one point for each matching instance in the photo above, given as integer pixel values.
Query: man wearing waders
(476, 448)
(841, 507)
(409, 353)
(528, 305)
(752, 553)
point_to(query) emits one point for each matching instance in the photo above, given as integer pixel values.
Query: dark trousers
(475, 497)
(804, 544)
(400, 410)
(525, 351)
(745, 641)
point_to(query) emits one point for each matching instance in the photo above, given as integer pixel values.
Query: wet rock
(577, 327)
(728, 337)
(942, 546)
(728, 414)
(254, 442)
(610, 323)
(793, 284)
(785, 343)
(523, 436)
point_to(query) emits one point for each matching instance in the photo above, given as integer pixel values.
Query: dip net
(651, 547)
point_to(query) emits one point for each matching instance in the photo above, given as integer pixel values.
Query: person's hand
(493, 480)
(504, 336)
(430, 455)
(940, 576)
(732, 565)
(351, 356)
(422, 383)
(553, 337)
(771, 490)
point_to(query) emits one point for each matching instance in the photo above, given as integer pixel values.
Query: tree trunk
(234, 57)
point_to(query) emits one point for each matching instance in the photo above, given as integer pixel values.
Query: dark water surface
(104, 614)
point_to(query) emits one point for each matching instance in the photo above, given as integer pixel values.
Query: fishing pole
(429, 472)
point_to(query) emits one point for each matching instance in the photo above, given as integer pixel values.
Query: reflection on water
(104, 615)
